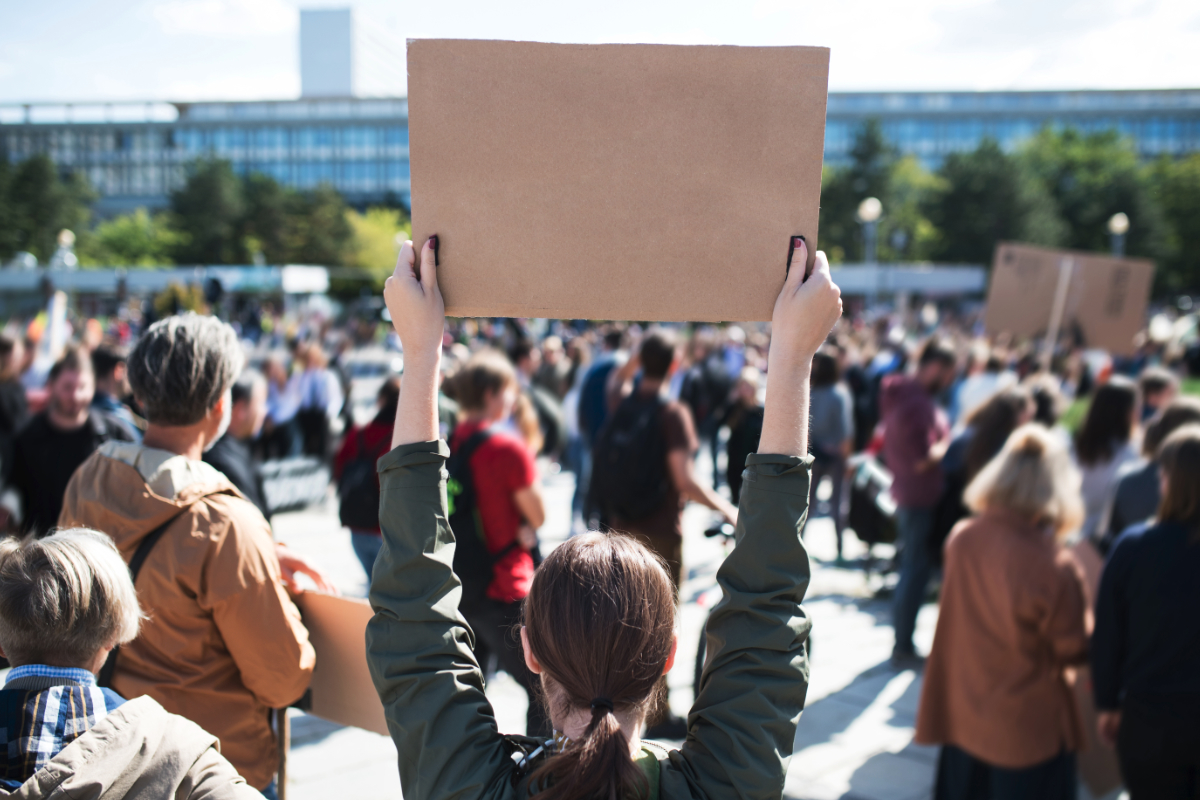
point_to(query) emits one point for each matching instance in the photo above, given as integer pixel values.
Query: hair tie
(604, 703)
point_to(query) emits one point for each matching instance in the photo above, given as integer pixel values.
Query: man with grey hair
(65, 601)
(224, 643)
(231, 453)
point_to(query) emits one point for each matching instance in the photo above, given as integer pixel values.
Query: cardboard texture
(647, 182)
(1106, 297)
(342, 690)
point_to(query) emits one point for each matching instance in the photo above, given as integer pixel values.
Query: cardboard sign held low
(342, 690)
(1105, 301)
(647, 182)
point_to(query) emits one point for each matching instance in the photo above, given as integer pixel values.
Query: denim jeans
(367, 545)
(913, 528)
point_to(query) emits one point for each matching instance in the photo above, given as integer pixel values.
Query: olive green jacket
(743, 724)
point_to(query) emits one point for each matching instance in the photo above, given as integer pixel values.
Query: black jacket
(45, 458)
(234, 458)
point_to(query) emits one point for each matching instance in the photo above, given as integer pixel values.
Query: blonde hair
(1034, 477)
(64, 598)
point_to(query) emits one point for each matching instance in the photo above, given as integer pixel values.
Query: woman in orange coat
(1012, 618)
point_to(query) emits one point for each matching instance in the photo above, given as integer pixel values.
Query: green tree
(318, 230)
(265, 224)
(1175, 184)
(986, 196)
(40, 203)
(8, 221)
(209, 211)
(373, 247)
(130, 240)
(842, 188)
(1092, 176)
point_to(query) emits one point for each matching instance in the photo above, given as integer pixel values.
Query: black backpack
(358, 489)
(629, 460)
(473, 562)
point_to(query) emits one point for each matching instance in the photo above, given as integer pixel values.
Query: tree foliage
(130, 240)
(36, 202)
(375, 244)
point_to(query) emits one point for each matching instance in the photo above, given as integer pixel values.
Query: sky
(97, 50)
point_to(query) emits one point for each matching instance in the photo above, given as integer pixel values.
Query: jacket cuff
(423, 461)
(779, 473)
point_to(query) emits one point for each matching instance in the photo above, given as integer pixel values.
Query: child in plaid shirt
(65, 602)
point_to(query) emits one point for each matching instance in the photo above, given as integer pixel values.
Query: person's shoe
(904, 660)
(672, 729)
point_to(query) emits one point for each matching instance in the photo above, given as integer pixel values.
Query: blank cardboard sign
(1106, 297)
(649, 182)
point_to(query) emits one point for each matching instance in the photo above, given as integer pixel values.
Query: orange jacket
(1013, 617)
(223, 643)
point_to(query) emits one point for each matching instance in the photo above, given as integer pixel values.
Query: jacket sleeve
(259, 623)
(742, 726)
(1108, 641)
(420, 650)
(1068, 619)
(214, 778)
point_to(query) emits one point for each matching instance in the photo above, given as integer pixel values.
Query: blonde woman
(1012, 617)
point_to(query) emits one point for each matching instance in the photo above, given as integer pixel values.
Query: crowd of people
(155, 438)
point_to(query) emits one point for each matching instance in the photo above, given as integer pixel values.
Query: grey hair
(182, 366)
(64, 597)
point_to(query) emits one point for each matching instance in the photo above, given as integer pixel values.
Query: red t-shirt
(500, 467)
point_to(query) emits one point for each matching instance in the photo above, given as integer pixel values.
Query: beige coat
(1012, 619)
(224, 643)
(138, 752)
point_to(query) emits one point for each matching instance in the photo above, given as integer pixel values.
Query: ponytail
(599, 767)
(600, 619)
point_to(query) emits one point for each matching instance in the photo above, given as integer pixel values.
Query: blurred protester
(1158, 387)
(508, 505)
(987, 429)
(642, 475)
(1137, 494)
(554, 373)
(915, 435)
(321, 400)
(744, 420)
(1012, 619)
(66, 601)
(1146, 648)
(357, 479)
(986, 375)
(541, 407)
(705, 390)
(224, 643)
(14, 408)
(593, 410)
(111, 367)
(231, 454)
(1105, 443)
(1048, 400)
(56, 441)
(283, 438)
(831, 437)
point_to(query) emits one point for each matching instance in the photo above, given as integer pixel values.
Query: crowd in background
(993, 488)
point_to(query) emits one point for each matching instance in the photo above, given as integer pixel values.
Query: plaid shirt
(42, 710)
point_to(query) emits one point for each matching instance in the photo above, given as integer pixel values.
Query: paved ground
(854, 740)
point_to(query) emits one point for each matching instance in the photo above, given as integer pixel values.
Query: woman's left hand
(415, 302)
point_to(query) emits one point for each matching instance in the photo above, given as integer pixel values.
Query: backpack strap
(104, 680)
(474, 441)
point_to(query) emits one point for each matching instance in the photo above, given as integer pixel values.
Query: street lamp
(1118, 226)
(869, 211)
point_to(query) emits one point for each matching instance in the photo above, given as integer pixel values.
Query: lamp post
(1118, 226)
(869, 212)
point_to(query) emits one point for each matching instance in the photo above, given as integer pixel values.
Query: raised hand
(419, 316)
(805, 312)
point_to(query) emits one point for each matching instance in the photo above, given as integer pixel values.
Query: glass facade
(360, 146)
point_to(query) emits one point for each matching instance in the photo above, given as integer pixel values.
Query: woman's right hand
(805, 311)
(415, 303)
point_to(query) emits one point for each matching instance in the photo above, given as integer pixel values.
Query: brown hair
(1179, 458)
(485, 372)
(657, 353)
(826, 371)
(1109, 421)
(992, 423)
(73, 359)
(1177, 413)
(600, 618)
